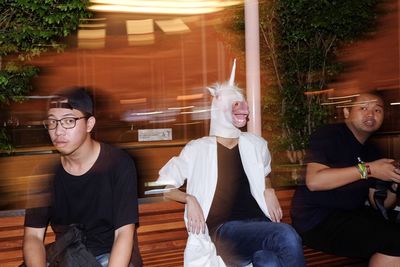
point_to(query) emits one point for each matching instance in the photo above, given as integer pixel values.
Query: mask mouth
(240, 112)
(239, 120)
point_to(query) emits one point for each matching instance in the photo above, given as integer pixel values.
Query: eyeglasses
(66, 123)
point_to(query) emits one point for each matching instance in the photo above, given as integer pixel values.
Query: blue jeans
(103, 259)
(260, 242)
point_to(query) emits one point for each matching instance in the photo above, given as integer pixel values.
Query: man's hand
(384, 169)
(196, 222)
(396, 165)
(274, 208)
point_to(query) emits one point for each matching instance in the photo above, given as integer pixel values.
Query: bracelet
(363, 169)
(368, 168)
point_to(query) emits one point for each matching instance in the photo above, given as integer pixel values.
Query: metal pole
(253, 65)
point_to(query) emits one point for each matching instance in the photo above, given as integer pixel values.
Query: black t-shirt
(232, 198)
(103, 199)
(334, 146)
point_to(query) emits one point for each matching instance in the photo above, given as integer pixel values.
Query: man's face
(68, 141)
(367, 115)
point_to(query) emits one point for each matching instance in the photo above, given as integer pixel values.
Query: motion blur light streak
(162, 121)
(147, 113)
(167, 3)
(334, 103)
(358, 103)
(161, 7)
(326, 91)
(189, 97)
(40, 96)
(180, 108)
(187, 123)
(148, 10)
(196, 111)
(133, 101)
(341, 97)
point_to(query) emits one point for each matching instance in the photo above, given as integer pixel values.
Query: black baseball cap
(78, 98)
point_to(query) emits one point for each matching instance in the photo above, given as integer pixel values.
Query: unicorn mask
(229, 109)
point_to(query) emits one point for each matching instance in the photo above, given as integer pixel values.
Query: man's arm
(274, 208)
(196, 221)
(321, 177)
(122, 246)
(33, 248)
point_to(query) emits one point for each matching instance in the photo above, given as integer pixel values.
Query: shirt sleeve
(266, 156)
(177, 168)
(319, 149)
(37, 217)
(125, 200)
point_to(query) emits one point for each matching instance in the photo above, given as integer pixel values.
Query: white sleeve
(266, 157)
(177, 169)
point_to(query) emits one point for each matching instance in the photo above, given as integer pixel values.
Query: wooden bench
(161, 234)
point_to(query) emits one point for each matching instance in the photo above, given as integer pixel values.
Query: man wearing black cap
(94, 187)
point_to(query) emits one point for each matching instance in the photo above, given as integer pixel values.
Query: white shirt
(197, 163)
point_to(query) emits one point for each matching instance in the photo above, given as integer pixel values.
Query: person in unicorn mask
(231, 210)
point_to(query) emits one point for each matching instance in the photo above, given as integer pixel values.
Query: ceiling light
(173, 26)
(161, 7)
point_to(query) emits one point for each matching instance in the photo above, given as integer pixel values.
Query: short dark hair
(79, 98)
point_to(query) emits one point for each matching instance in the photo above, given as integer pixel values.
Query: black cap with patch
(76, 98)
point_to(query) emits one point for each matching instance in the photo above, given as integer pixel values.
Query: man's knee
(288, 235)
(287, 245)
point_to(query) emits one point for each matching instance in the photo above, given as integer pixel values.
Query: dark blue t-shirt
(334, 146)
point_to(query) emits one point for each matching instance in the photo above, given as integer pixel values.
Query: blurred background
(149, 64)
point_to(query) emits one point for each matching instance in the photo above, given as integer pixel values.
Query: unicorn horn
(232, 79)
